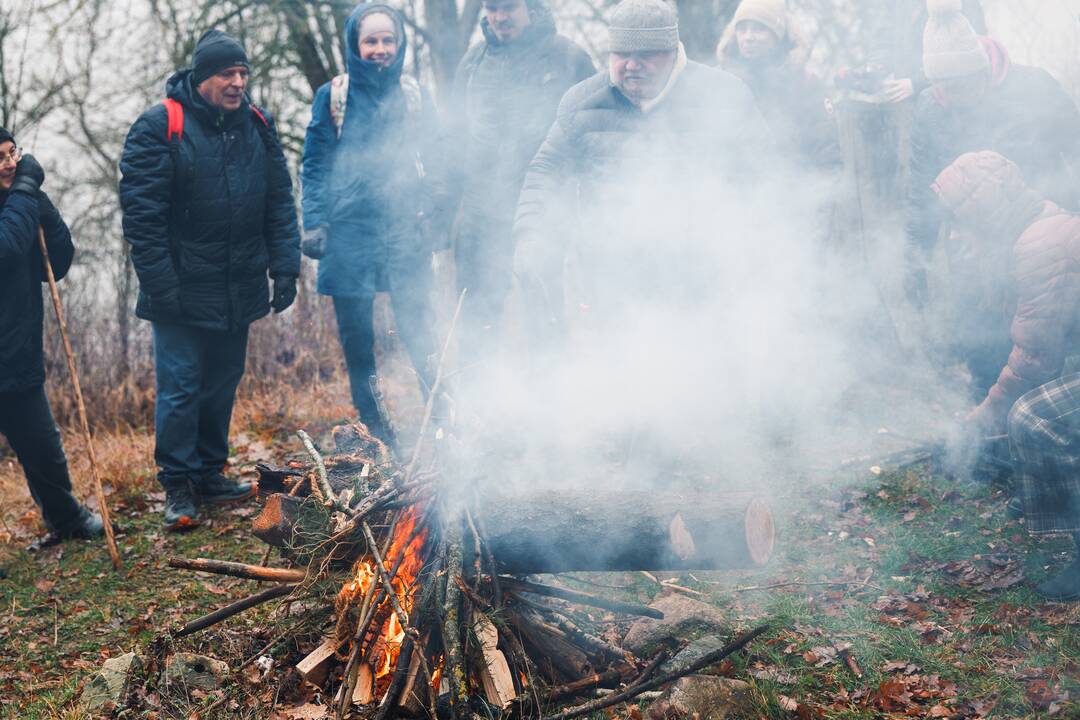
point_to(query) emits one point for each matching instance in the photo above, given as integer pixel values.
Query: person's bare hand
(897, 91)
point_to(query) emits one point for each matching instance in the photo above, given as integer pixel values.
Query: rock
(187, 671)
(705, 697)
(684, 619)
(693, 652)
(107, 689)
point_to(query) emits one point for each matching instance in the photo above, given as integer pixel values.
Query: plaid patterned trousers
(1044, 436)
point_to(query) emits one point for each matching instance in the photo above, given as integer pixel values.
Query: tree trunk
(626, 530)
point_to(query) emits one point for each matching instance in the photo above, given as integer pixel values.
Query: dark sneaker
(1063, 586)
(180, 512)
(217, 489)
(1014, 509)
(90, 526)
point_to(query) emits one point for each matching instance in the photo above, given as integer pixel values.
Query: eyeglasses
(12, 157)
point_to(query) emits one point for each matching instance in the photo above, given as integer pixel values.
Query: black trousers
(26, 420)
(357, 333)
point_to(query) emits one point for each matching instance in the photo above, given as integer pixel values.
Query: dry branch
(580, 598)
(632, 692)
(240, 570)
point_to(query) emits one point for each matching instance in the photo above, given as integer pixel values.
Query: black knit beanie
(215, 51)
(6, 136)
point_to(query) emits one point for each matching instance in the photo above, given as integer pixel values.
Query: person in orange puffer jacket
(993, 211)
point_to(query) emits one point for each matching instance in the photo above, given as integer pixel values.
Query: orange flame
(392, 633)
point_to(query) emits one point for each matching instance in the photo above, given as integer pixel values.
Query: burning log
(588, 531)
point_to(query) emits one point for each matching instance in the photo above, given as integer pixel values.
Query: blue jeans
(26, 421)
(197, 372)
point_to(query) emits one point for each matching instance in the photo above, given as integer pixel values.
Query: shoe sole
(229, 500)
(185, 522)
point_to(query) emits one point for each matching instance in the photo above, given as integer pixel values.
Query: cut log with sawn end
(570, 531)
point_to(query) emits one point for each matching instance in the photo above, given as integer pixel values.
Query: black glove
(166, 306)
(314, 243)
(284, 293)
(29, 175)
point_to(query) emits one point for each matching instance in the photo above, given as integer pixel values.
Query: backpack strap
(414, 97)
(175, 112)
(339, 95)
(258, 113)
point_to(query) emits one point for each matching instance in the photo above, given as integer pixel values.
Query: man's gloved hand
(167, 306)
(314, 243)
(29, 176)
(284, 292)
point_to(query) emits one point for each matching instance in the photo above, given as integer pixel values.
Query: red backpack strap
(258, 114)
(176, 119)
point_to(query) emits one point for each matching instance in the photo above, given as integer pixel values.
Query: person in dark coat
(506, 91)
(208, 212)
(979, 100)
(896, 44)
(374, 198)
(1030, 248)
(652, 112)
(25, 417)
(760, 47)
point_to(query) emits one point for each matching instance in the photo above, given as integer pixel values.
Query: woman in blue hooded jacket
(372, 196)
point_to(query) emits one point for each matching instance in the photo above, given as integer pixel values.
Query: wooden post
(110, 539)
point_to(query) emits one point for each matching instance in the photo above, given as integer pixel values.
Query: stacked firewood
(432, 611)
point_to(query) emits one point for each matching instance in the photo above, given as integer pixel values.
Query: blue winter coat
(207, 215)
(375, 189)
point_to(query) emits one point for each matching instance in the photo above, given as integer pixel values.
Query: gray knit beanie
(643, 26)
(951, 49)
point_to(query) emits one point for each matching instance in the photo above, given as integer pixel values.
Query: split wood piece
(580, 598)
(272, 478)
(240, 570)
(270, 593)
(416, 694)
(315, 667)
(285, 521)
(494, 671)
(631, 692)
(364, 692)
(548, 532)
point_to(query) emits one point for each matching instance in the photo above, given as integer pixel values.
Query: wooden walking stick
(98, 489)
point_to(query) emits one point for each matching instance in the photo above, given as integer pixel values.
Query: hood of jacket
(541, 27)
(367, 75)
(987, 193)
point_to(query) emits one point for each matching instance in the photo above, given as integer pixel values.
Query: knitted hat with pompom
(951, 49)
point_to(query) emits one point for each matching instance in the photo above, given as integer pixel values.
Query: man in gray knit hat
(616, 135)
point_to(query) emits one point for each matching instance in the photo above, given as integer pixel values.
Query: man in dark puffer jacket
(25, 417)
(207, 214)
(506, 91)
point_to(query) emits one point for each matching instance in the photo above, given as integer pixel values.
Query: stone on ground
(705, 697)
(684, 619)
(107, 689)
(187, 671)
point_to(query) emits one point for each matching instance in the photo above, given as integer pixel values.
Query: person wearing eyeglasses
(26, 419)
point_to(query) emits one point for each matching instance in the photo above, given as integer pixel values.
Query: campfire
(433, 613)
